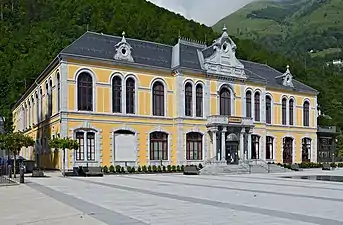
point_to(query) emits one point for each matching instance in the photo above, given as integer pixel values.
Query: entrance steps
(256, 166)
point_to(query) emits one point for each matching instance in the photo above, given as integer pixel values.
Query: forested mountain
(292, 26)
(32, 32)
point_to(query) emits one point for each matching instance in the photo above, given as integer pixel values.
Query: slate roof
(147, 53)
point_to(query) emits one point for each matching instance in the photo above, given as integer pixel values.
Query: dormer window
(123, 50)
(286, 79)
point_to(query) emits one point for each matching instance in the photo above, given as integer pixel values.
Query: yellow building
(137, 102)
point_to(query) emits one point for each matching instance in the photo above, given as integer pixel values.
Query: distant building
(327, 151)
(337, 63)
(142, 103)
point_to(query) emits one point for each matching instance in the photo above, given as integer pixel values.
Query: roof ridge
(256, 74)
(133, 39)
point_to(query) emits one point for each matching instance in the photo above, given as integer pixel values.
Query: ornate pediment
(123, 50)
(220, 58)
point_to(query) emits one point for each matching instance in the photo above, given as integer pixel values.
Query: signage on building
(235, 120)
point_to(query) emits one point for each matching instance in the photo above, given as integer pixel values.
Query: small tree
(13, 142)
(64, 143)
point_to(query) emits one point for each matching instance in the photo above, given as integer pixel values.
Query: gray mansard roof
(186, 55)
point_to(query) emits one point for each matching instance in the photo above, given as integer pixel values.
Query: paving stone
(176, 199)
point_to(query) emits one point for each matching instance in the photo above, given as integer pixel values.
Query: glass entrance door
(231, 153)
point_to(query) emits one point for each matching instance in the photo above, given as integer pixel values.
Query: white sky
(204, 11)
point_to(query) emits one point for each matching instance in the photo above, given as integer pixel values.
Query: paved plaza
(174, 199)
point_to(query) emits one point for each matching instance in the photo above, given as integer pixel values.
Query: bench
(326, 166)
(190, 170)
(296, 167)
(93, 171)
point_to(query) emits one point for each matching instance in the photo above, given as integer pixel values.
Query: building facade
(140, 103)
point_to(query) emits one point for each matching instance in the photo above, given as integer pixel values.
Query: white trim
(86, 127)
(272, 121)
(293, 147)
(294, 111)
(136, 105)
(165, 96)
(232, 97)
(94, 81)
(311, 147)
(112, 146)
(116, 74)
(185, 82)
(203, 98)
(184, 135)
(169, 144)
(245, 102)
(309, 112)
(287, 112)
(260, 111)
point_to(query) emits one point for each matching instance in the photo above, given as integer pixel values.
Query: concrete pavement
(174, 199)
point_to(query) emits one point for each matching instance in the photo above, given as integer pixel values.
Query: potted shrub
(149, 169)
(164, 169)
(144, 169)
(169, 168)
(154, 168)
(118, 168)
(105, 169)
(173, 168)
(111, 169)
(139, 169)
(159, 169)
(182, 168)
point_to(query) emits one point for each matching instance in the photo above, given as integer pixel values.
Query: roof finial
(287, 68)
(224, 28)
(123, 33)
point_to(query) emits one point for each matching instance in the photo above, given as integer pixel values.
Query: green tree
(63, 144)
(340, 146)
(13, 142)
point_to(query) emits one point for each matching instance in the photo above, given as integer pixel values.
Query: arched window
(269, 147)
(41, 105)
(225, 102)
(86, 142)
(291, 112)
(116, 94)
(188, 99)
(288, 150)
(130, 96)
(50, 99)
(47, 97)
(158, 99)
(284, 111)
(199, 100)
(268, 110)
(255, 147)
(306, 114)
(306, 150)
(248, 104)
(29, 114)
(194, 146)
(257, 107)
(58, 93)
(158, 146)
(37, 108)
(85, 92)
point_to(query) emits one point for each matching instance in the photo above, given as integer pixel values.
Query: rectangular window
(90, 146)
(79, 153)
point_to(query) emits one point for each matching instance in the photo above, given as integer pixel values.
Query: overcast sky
(203, 11)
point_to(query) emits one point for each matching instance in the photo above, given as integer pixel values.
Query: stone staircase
(244, 167)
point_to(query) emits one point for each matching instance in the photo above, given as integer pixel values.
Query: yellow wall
(104, 120)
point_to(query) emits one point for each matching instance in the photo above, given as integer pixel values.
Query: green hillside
(291, 25)
(32, 32)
